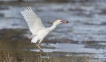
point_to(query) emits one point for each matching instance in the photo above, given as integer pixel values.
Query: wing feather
(33, 21)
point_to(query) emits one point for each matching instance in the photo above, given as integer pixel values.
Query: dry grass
(8, 57)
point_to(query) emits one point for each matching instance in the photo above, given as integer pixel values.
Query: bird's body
(40, 35)
(38, 30)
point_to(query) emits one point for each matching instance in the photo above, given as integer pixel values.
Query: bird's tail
(30, 37)
(34, 39)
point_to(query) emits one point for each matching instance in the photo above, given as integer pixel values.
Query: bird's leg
(39, 47)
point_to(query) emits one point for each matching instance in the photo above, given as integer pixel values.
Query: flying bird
(38, 30)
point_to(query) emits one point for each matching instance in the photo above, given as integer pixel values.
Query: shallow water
(87, 20)
(65, 47)
(79, 49)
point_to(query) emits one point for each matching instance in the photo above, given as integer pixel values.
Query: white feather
(38, 30)
(34, 22)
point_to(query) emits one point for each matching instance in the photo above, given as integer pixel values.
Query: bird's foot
(41, 51)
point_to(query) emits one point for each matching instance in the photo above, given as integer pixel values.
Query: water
(79, 49)
(87, 21)
(65, 47)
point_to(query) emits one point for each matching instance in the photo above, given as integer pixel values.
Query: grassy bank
(14, 47)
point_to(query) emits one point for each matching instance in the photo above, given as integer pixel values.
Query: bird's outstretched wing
(33, 21)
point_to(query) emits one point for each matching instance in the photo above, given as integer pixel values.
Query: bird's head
(60, 21)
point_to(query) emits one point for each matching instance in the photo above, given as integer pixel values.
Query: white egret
(38, 30)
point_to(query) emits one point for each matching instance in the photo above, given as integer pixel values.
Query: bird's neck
(53, 27)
